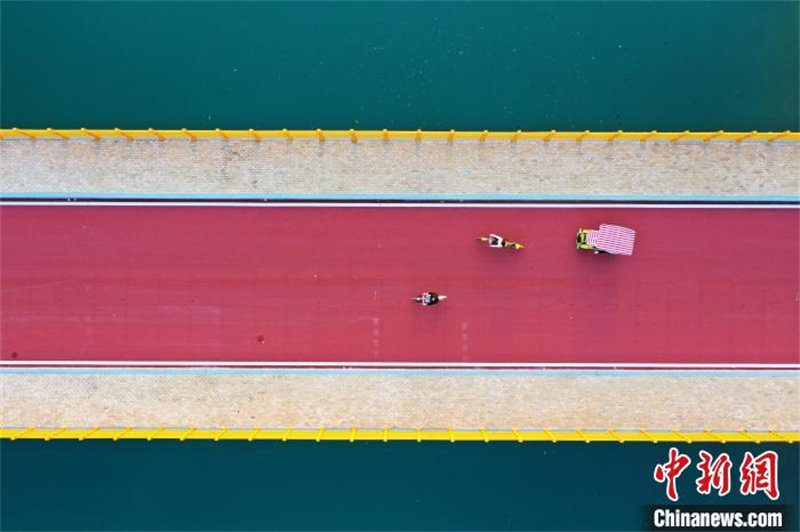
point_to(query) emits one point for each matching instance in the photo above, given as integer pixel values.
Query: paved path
(401, 167)
(649, 400)
(261, 283)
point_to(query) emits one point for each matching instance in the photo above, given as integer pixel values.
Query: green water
(402, 65)
(497, 66)
(304, 485)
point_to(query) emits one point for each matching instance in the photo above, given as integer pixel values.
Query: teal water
(481, 65)
(401, 65)
(363, 486)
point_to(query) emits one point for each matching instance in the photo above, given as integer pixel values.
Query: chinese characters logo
(756, 473)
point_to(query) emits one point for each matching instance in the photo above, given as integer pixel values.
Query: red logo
(760, 474)
(716, 474)
(670, 471)
(756, 473)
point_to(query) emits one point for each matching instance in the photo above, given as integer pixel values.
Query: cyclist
(429, 298)
(496, 241)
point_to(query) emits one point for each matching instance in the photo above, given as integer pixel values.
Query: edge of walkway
(394, 434)
(372, 199)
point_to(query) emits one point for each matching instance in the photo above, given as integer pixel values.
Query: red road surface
(156, 283)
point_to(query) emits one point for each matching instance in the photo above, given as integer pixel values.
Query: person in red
(670, 471)
(760, 473)
(716, 474)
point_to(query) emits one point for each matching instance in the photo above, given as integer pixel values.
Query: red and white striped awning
(612, 239)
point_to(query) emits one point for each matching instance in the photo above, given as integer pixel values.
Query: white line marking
(35, 286)
(302, 364)
(400, 205)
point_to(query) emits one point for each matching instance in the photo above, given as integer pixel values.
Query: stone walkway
(361, 399)
(400, 167)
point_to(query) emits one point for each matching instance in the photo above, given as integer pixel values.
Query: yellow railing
(396, 434)
(386, 135)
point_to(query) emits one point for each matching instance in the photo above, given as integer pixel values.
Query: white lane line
(465, 205)
(303, 364)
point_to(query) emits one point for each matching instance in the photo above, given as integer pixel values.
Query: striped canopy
(612, 239)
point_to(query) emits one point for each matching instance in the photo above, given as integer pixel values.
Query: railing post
(92, 431)
(747, 436)
(25, 133)
(23, 433)
(616, 435)
(781, 436)
(680, 136)
(187, 434)
(784, 134)
(681, 435)
(57, 133)
(649, 436)
(122, 434)
(191, 136)
(56, 433)
(746, 136)
(95, 136)
(122, 134)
